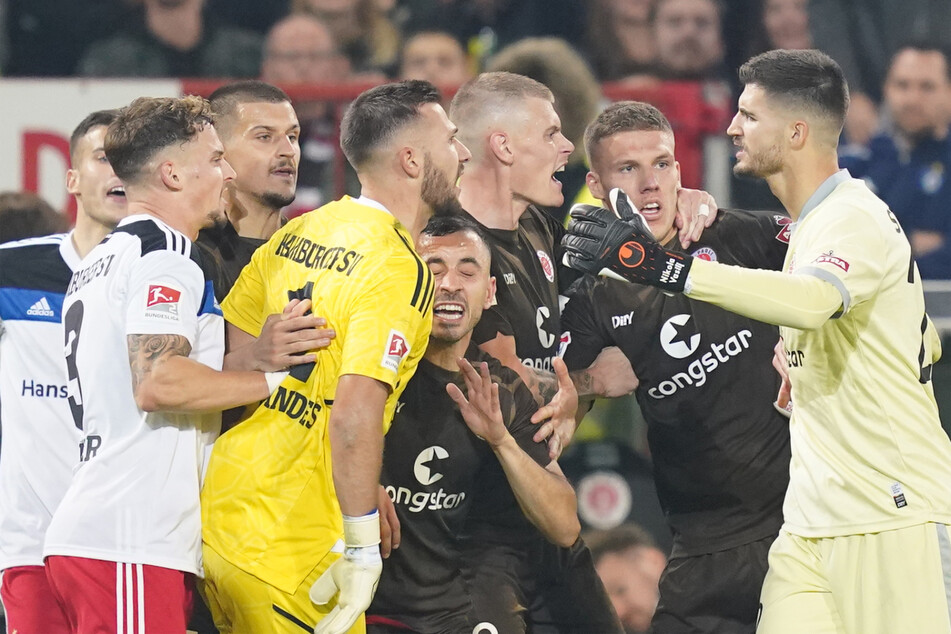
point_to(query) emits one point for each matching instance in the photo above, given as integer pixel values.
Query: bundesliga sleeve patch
(833, 260)
(396, 351)
(785, 228)
(162, 302)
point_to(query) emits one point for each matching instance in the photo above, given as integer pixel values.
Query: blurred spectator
(174, 38)
(486, 26)
(554, 63)
(907, 163)
(782, 24)
(437, 57)
(26, 215)
(47, 37)
(253, 15)
(300, 49)
(630, 566)
(362, 29)
(863, 36)
(619, 38)
(689, 39)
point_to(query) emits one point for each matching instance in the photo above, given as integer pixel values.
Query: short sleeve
(845, 251)
(492, 324)
(518, 407)
(383, 325)
(164, 295)
(581, 338)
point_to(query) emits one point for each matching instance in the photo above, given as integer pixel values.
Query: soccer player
(143, 335)
(720, 449)
(864, 544)
(446, 457)
(300, 477)
(39, 437)
(261, 136)
(510, 124)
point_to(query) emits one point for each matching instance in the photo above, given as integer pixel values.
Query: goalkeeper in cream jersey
(301, 474)
(865, 546)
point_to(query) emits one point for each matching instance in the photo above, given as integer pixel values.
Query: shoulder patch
(396, 350)
(785, 228)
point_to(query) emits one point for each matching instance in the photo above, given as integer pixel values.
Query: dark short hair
(807, 80)
(226, 99)
(92, 120)
(374, 117)
(624, 116)
(26, 215)
(617, 540)
(448, 224)
(925, 46)
(150, 124)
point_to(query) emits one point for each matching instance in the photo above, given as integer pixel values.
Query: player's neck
(251, 218)
(405, 204)
(443, 354)
(486, 195)
(87, 233)
(797, 182)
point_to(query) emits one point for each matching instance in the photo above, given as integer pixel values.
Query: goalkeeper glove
(621, 245)
(353, 577)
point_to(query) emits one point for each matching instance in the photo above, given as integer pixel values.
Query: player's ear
(500, 146)
(411, 161)
(798, 133)
(169, 175)
(593, 181)
(490, 294)
(72, 181)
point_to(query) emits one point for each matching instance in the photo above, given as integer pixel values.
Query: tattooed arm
(165, 379)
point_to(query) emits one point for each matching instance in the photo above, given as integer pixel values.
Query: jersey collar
(67, 251)
(823, 191)
(369, 202)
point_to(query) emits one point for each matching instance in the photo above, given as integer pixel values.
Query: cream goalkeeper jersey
(868, 450)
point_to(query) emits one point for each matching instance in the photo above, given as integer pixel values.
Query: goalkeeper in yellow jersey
(289, 506)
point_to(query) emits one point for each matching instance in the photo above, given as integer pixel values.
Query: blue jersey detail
(27, 304)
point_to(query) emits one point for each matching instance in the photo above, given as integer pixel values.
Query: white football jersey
(134, 494)
(39, 447)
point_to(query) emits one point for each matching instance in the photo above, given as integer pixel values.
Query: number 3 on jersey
(72, 323)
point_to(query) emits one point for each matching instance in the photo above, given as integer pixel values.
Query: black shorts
(712, 594)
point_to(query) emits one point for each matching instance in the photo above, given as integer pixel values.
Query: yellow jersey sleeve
(847, 253)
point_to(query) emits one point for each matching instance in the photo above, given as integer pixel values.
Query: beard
(438, 193)
(276, 200)
(761, 165)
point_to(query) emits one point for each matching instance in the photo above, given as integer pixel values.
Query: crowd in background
(895, 56)
(896, 134)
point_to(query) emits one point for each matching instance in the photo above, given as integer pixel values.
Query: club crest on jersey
(162, 302)
(828, 258)
(396, 351)
(785, 228)
(705, 253)
(547, 265)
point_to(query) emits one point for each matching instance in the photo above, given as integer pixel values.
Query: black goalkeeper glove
(621, 245)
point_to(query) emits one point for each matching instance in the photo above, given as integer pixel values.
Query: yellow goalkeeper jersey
(268, 501)
(868, 450)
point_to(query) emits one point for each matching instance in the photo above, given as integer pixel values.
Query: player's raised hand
(621, 246)
(481, 410)
(696, 210)
(352, 578)
(291, 338)
(557, 417)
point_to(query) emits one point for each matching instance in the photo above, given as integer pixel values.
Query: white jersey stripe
(119, 596)
(944, 550)
(140, 596)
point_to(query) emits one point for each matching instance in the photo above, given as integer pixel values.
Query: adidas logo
(41, 309)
